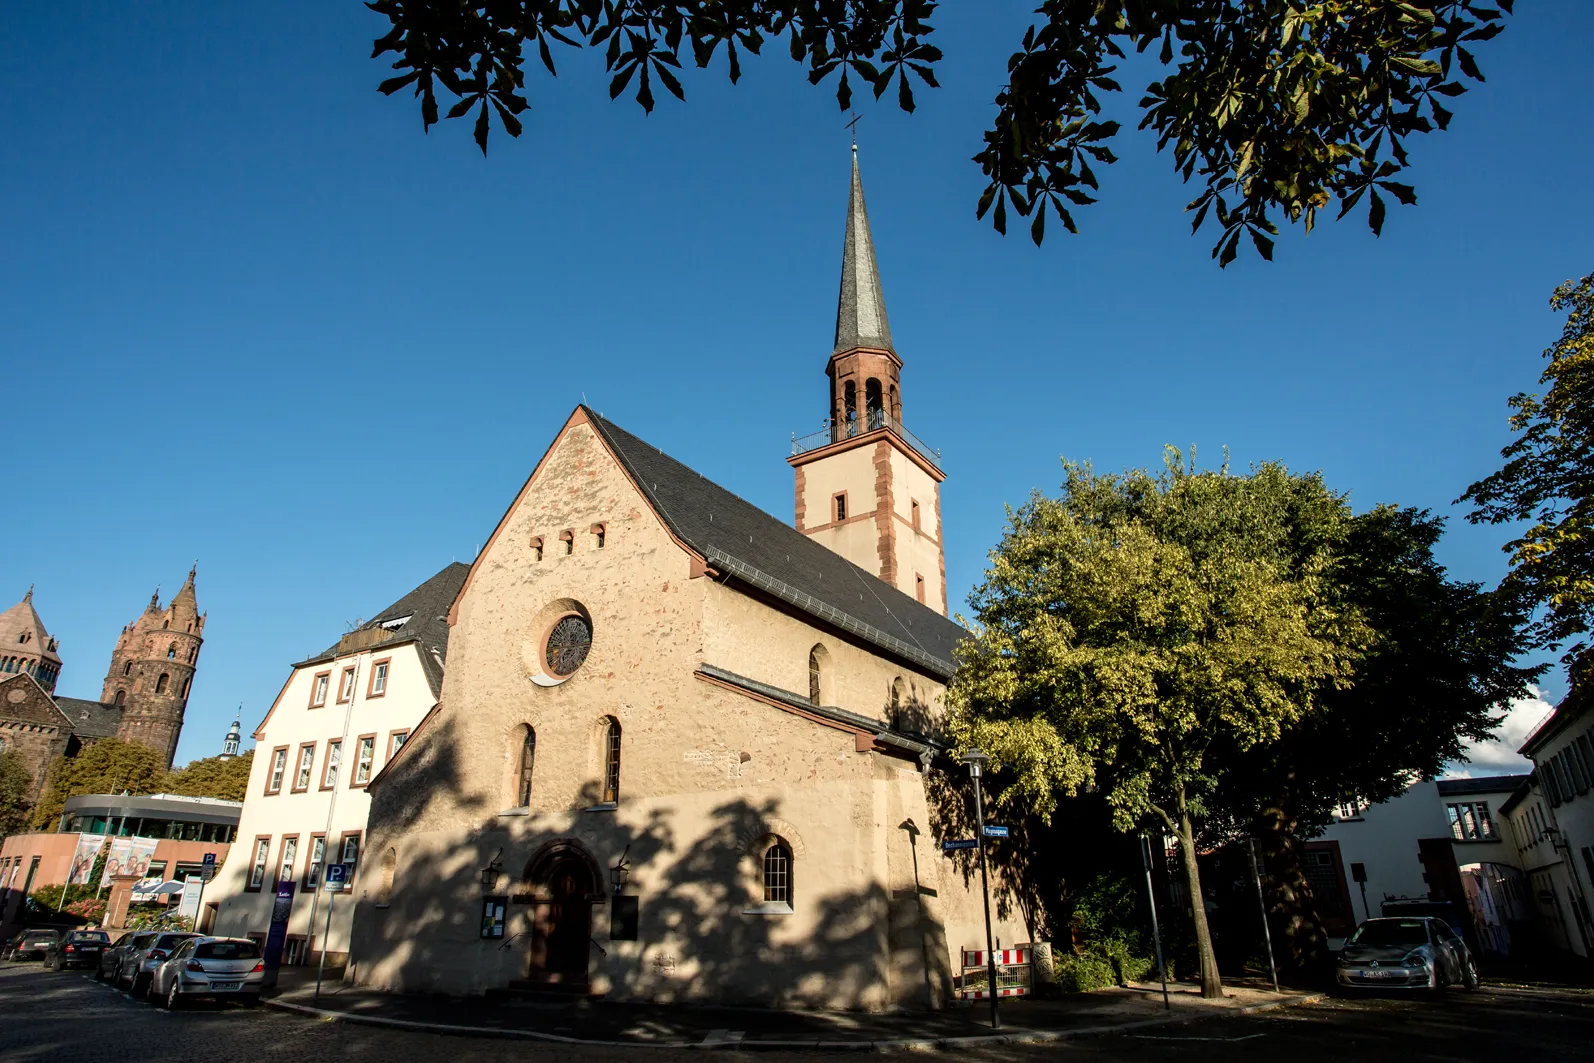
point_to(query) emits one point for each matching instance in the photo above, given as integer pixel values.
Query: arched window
(611, 760)
(162, 683)
(171, 652)
(384, 886)
(818, 675)
(777, 873)
(536, 548)
(569, 539)
(165, 624)
(871, 400)
(849, 403)
(186, 684)
(528, 754)
(127, 668)
(597, 535)
(120, 699)
(895, 409)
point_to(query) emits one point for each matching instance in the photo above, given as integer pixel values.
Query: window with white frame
(366, 753)
(290, 853)
(318, 689)
(318, 855)
(346, 685)
(257, 870)
(1469, 821)
(777, 874)
(301, 777)
(329, 777)
(279, 765)
(379, 679)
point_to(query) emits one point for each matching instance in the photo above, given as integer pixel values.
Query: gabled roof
(36, 707)
(22, 619)
(747, 544)
(861, 305)
(91, 719)
(427, 625)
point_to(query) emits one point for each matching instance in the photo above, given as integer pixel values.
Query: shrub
(1081, 974)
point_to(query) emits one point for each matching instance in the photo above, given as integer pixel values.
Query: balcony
(835, 431)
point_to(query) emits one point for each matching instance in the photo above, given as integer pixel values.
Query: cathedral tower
(867, 488)
(152, 669)
(26, 647)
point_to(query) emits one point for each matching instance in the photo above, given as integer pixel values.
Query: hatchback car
(77, 948)
(33, 945)
(142, 955)
(217, 968)
(1412, 953)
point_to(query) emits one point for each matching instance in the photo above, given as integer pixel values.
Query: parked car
(32, 944)
(143, 954)
(218, 968)
(76, 948)
(111, 957)
(1406, 953)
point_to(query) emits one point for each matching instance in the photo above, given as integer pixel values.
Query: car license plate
(225, 985)
(1381, 974)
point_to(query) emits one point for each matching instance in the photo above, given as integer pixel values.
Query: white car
(218, 968)
(1417, 952)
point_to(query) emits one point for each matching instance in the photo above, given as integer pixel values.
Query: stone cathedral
(684, 750)
(143, 698)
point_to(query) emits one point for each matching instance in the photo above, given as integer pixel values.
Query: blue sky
(251, 315)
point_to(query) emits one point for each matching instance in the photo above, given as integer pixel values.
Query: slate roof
(1489, 784)
(91, 719)
(743, 541)
(861, 305)
(427, 607)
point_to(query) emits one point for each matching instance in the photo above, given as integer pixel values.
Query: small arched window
(818, 675)
(384, 886)
(186, 684)
(528, 755)
(569, 539)
(165, 624)
(536, 548)
(597, 536)
(872, 401)
(849, 399)
(611, 760)
(171, 652)
(162, 683)
(121, 698)
(777, 873)
(127, 668)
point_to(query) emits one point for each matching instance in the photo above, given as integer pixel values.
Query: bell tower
(152, 669)
(867, 487)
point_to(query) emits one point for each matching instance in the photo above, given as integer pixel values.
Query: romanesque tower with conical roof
(867, 487)
(152, 669)
(26, 647)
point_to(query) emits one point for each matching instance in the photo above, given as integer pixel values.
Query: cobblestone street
(67, 1016)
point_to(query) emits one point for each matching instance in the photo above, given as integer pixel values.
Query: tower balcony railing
(835, 430)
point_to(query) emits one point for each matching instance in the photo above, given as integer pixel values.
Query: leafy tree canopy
(223, 777)
(1277, 108)
(108, 766)
(1139, 621)
(1548, 481)
(15, 785)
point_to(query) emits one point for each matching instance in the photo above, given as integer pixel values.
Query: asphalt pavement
(47, 1016)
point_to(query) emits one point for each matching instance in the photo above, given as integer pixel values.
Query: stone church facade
(143, 698)
(685, 751)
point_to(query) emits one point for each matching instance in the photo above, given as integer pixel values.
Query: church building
(143, 698)
(685, 751)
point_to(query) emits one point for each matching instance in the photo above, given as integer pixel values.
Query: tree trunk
(1301, 936)
(1211, 983)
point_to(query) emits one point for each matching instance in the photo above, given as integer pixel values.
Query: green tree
(1138, 621)
(108, 766)
(1278, 108)
(1548, 481)
(223, 777)
(15, 786)
(1438, 672)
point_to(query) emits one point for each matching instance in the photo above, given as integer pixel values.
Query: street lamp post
(976, 761)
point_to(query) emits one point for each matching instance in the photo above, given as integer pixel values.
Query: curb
(915, 1044)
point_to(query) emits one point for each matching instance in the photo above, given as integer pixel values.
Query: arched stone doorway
(565, 884)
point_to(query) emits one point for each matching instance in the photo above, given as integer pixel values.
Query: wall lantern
(490, 873)
(620, 872)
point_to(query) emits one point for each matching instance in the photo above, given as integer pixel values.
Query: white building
(337, 721)
(1555, 820)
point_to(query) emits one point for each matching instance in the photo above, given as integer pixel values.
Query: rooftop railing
(834, 431)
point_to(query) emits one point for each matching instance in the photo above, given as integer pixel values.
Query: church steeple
(864, 465)
(861, 307)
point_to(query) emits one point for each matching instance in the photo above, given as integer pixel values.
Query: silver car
(138, 959)
(1418, 952)
(218, 968)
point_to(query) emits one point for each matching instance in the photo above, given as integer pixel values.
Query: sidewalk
(678, 1026)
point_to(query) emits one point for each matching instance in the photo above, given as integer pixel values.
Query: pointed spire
(29, 596)
(861, 307)
(155, 600)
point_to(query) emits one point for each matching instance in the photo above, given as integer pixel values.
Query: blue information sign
(960, 843)
(337, 874)
(209, 860)
(995, 832)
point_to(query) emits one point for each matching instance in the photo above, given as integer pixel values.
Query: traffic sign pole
(985, 895)
(1156, 932)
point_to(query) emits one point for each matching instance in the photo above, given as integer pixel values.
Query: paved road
(68, 1018)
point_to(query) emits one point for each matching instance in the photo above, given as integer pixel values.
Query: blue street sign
(995, 832)
(960, 843)
(337, 874)
(209, 860)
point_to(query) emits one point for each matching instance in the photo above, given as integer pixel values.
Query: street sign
(337, 876)
(960, 843)
(209, 860)
(995, 832)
